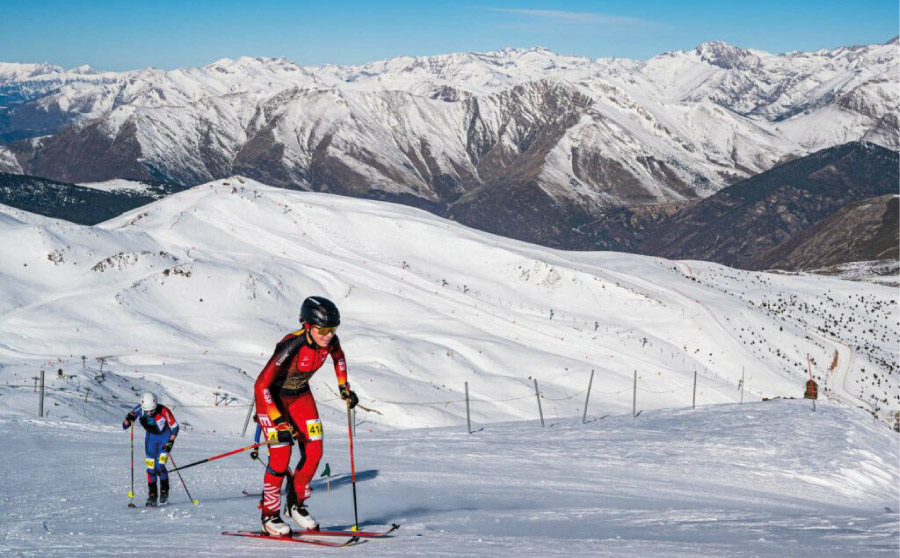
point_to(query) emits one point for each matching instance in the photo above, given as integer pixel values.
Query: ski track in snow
(762, 479)
(197, 288)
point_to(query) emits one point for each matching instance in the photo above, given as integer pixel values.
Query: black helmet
(319, 311)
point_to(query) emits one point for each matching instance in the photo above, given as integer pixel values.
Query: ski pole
(226, 454)
(195, 502)
(352, 468)
(131, 492)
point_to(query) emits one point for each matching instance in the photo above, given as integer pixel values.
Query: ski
(295, 537)
(348, 533)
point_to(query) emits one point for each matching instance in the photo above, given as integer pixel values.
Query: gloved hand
(168, 447)
(349, 396)
(129, 418)
(283, 433)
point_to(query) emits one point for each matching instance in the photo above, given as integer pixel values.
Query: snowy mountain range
(187, 296)
(512, 133)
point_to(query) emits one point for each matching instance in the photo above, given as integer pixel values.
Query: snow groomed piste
(173, 298)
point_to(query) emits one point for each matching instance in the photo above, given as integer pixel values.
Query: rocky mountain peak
(728, 56)
(460, 133)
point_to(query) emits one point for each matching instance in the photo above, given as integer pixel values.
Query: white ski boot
(302, 518)
(274, 526)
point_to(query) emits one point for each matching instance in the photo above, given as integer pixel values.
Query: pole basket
(812, 390)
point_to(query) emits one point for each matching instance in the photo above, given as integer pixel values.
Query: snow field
(187, 297)
(761, 479)
(199, 286)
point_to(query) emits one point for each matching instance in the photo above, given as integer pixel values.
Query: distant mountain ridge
(828, 209)
(74, 203)
(492, 139)
(761, 221)
(864, 231)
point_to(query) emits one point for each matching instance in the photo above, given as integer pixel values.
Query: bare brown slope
(864, 231)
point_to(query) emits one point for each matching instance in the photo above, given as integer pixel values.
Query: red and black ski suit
(283, 394)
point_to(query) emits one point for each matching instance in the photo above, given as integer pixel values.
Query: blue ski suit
(160, 425)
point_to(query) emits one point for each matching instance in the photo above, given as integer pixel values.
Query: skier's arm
(340, 370)
(265, 403)
(173, 426)
(170, 420)
(340, 363)
(131, 417)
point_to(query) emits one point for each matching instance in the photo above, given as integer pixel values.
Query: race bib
(314, 429)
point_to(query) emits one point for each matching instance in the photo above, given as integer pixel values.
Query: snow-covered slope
(119, 185)
(769, 479)
(189, 295)
(592, 132)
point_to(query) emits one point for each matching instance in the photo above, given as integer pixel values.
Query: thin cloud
(586, 18)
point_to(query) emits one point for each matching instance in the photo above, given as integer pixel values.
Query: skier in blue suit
(162, 429)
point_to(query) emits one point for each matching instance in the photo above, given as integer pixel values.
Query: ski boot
(302, 517)
(274, 526)
(163, 492)
(151, 494)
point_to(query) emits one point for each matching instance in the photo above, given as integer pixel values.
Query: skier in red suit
(287, 410)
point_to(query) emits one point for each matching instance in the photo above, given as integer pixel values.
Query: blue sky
(128, 34)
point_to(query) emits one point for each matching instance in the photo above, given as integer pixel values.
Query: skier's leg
(161, 459)
(151, 449)
(279, 457)
(305, 414)
(161, 472)
(164, 491)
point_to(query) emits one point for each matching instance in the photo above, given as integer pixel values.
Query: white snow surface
(118, 185)
(188, 296)
(764, 479)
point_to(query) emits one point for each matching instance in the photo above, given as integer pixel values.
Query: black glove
(168, 447)
(285, 436)
(129, 418)
(348, 396)
(283, 433)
